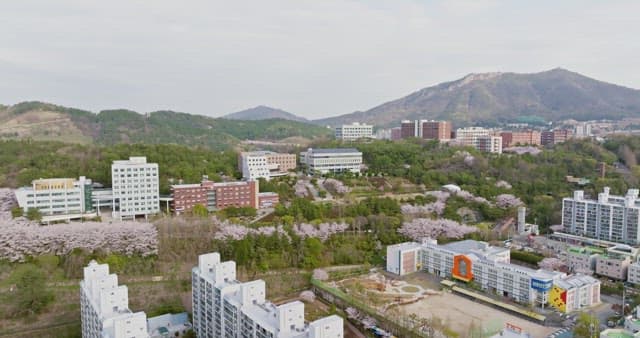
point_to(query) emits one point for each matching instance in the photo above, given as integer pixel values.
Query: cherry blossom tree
(506, 201)
(552, 264)
(420, 228)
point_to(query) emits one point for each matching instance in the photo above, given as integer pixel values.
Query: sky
(312, 58)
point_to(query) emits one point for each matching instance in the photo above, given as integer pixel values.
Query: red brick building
(216, 196)
(555, 136)
(436, 130)
(512, 138)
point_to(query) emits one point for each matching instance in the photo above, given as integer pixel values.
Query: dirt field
(461, 314)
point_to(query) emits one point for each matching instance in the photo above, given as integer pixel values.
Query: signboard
(541, 284)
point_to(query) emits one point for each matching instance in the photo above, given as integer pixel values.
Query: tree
(32, 295)
(16, 212)
(199, 210)
(587, 326)
(34, 214)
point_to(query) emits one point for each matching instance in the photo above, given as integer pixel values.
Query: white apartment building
(265, 164)
(479, 138)
(225, 307)
(104, 306)
(610, 217)
(489, 267)
(135, 185)
(57, 198)
(336, 160)
(354, 131)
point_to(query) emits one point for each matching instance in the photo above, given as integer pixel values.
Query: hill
(44, 121)
(490, 98)
(264, 113)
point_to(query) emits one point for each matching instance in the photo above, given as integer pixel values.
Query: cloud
(314, 58)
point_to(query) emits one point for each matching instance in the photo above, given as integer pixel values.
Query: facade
(633, 273)
(336, 160)
(225, 307)
(582, 259)
(55, 197)
(104, 306)
(410, 128)
(354, 131)
(268, 200)
(489, 267)
(613, 266)
(489, 144)
(216, 196)
(136, 188)
(426, 129)
(528, 137)
(265, 164)
(555, 136)
(583, 130)
(610, 217)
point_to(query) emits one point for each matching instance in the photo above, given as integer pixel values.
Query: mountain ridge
(263, 113)
(498, 97)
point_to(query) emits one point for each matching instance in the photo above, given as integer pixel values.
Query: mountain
(264, 113)
(489, 98)
(44, 121)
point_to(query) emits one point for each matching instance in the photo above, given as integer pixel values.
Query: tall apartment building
(354, 131)
(226, 307)
(104, 306)
(528, 137)
(265, 164)
(555, 136)
(490, 269)
(135, 185)
(57, 197)
(426, 129)
(583, 130)
(216, 196)
(334, 160)
(610, 217)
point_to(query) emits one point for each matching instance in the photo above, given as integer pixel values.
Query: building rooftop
(333, 150)
(185, 186)
(470, 246)
(575, 281)
(590, 250)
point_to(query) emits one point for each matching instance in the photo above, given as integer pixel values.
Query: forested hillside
(43, 121)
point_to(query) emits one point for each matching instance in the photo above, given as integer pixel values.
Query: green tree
(32, 295)
(587, 326)
(34, 214)
(16, 212)
(199, 210)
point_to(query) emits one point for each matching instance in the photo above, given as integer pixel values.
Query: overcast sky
(313, 58)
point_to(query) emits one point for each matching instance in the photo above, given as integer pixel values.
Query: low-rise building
(354, 131)
(555, 136)
(220, 195)
(633, 273)
(333, 160)
(513, 138)
(489, 268)
(265, 164)
(582, 259)
(57, 198)
(616, 261)
(226, 307)
(489, 144)
(480, 138)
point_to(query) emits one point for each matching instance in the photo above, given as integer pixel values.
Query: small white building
(334, 160)
(57, 198)
(354, 131)
(265, 164)
(136, 188)
(226, 307)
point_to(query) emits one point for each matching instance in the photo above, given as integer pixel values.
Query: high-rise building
(136, 188)
(408, 129)
(610, 217)
(265, 164)
(333, 160)
(354, 131)
(583, 130)
(436, 130)
(104, 306)
(57, 198)
(226, 307)
(489, 268)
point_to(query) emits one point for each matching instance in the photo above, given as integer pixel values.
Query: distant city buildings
(527, 137)
(610, 217)
(332, 160)
(135, 185)
(555, 136)
(480, 138)
(219, 195)
(265, 164)
(105, 313)
(354, 131)
(226, 307)
(583, 130)
(57, 198)
(426, 129)
(489, 268)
